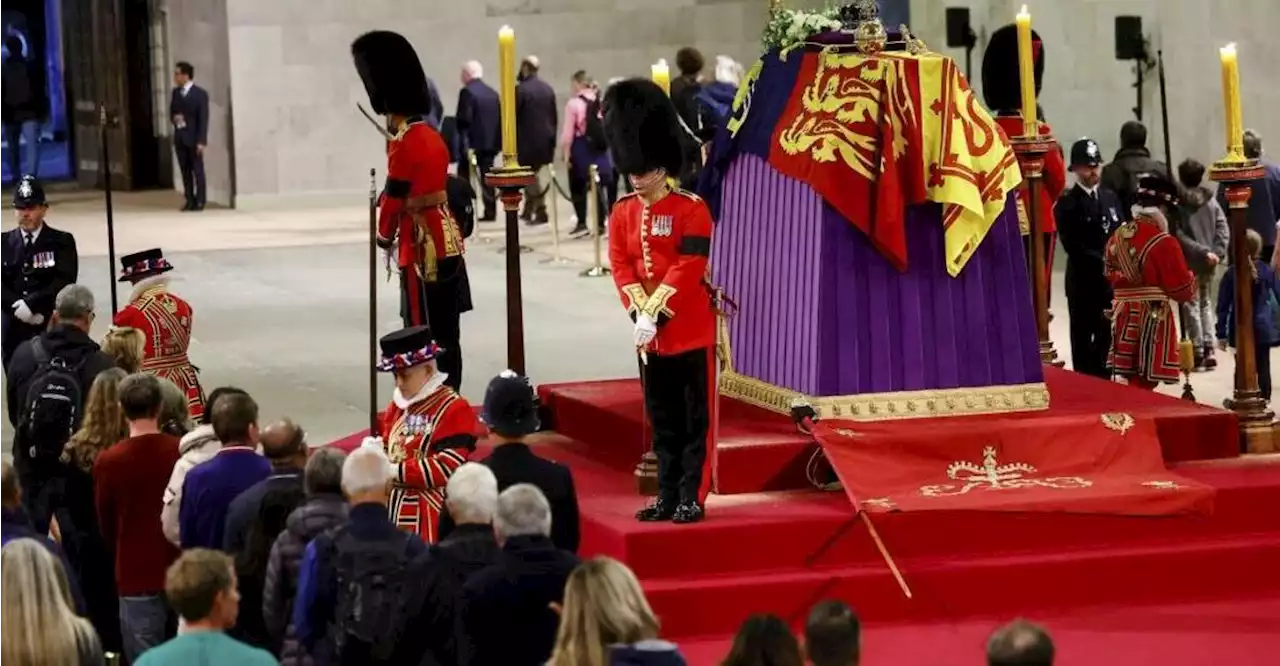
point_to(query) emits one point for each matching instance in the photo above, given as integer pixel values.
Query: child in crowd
(1266, 296)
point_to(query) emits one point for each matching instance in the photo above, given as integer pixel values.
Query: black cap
(643, 128)
(509, 407)
(1085, 152)
(29, 193)
(406, 348)
(1156, 190)
(1001, 69)
(143, 264)
(392, 74)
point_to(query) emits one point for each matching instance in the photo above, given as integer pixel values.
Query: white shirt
(186, 87)
(1091, 191)
(33, 234)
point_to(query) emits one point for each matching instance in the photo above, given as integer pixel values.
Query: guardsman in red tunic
(659, 244)
(1148, 273)
(165, 320)
(1002, 90)
(427, 431)
(416, 228)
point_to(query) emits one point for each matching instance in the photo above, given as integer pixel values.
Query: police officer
(1087, 214)
(38, 262)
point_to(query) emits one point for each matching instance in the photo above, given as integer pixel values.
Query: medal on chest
(412, 434)
(662, 225)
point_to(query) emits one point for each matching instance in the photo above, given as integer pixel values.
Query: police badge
(24, 190)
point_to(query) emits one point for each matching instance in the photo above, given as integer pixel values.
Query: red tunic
(1051, 186)
(1147, 270)
(415, 206)
(165, 320)
(426, 442)
(658, 254)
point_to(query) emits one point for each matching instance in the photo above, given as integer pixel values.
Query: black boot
(658, 511)
(687, 512)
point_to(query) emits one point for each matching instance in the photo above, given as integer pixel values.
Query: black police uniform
(37, 265)
(1085, 222)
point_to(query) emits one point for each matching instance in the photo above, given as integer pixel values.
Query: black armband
(696, 245)
(398, 189)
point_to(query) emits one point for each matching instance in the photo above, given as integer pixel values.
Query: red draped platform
(771, 544)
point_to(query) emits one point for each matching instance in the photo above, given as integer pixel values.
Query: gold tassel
(1186, 355)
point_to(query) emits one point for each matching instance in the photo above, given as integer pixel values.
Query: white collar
(35, 233)
(432, 385)
(147, 283)
(186, 87)
(1091, 191)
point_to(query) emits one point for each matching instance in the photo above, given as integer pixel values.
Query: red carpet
(760, 450)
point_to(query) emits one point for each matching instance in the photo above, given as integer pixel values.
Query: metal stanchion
(477, 184)
(593, 218)
(555, 257)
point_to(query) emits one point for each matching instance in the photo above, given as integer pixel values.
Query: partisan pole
(1186, 348)
(373, 303)
(105, 158)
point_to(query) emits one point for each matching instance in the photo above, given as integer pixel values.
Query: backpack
(374, 590)
(53, 403)
(594, 129)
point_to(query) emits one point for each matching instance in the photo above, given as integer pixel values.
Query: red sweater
(129, 481)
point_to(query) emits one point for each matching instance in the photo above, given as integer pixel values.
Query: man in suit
(536, 124)
(38, 262)
(189, 112)
(479, 128)
(511, 415)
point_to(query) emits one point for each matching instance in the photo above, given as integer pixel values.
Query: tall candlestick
(1231, 102)
(661, 75)
(507, 91)
(1027, 74)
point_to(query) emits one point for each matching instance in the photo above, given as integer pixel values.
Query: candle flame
(506, 30)
(1024, 11)
(1229, 49)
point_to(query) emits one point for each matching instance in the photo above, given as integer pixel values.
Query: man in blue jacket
(479, 121)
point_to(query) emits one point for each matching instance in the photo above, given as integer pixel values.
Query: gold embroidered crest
(991, 475)
(1118, 421)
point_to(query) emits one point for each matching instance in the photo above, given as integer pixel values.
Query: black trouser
(13, 332)
(40, 481)
(191, 162)
(676, 399)
(1088, 297)
(484, 163)
(438, 306)
(579, 191)
(1262, 360)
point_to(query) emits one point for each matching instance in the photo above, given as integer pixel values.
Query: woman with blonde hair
(40, 627)
(126, 345)
(607, 621)
(76, 514)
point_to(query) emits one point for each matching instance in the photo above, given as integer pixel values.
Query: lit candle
(661, 75)
(1027, 74)
(507, 91)
(1231, 101)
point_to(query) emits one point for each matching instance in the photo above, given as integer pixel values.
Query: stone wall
(298, 133)
(197, 33)
(1087, 92)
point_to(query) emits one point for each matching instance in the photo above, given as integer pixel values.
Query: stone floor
(281, 302)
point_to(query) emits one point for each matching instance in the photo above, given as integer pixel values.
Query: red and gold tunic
(658, 253)
(1051, 186)
(165, 320)
(415, 205)
(1147, 270)
(427, 442)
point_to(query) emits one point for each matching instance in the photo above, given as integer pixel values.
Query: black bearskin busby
(642, 128)
(392, 74)
(1001, 86)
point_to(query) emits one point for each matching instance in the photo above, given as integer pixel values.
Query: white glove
(389, 258)
(372, 443)
(23, 312)
(646, 329)
(37, 320)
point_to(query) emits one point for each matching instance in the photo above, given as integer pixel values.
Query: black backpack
(594, 130)
(53, 404)
(374, 591)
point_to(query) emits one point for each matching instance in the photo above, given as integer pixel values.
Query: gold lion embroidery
(993, 476)
(880, 504)
(1118, 421)
(1161, 485)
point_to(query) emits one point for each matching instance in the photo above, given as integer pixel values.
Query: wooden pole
(1254, 415)
(373, 303)
(1030, 151)
(103, 123)
(510, 180)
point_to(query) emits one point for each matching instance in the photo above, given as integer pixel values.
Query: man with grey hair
(47, 384)
(1020, 643)
(472, 499)
(340, 615)
(505, 614)
(324, 509)
(479, 128)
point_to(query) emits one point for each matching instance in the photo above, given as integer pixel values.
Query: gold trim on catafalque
(890, 406)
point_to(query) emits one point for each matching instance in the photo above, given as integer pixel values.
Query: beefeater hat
(392, 74)
(642, 128)
(1156, 190)
(406, 348)
(143, 264)
(1001, 86)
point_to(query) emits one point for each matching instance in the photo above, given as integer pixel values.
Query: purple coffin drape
(821, 312)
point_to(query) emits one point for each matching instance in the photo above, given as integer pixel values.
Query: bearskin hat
(391, 73)
(642, 128)
(1001, 86)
